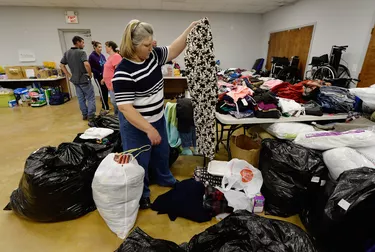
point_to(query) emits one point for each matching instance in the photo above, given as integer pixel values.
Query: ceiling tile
(239, 6)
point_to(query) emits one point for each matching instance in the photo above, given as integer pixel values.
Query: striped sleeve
(124, 88)
(162, 53)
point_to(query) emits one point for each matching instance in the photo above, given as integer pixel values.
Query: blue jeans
(156, 160)
(113, 101)
(85, 94)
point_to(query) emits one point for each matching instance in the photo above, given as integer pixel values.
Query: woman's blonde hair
(135, 32)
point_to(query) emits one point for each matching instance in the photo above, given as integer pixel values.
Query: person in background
(76, 59)
(109, 69)
(97, 61)
(139, 89)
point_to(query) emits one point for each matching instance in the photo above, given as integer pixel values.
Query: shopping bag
(245, 148)
(241, 175)
(117, 189)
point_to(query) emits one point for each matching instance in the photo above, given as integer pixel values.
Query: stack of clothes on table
(243, 95)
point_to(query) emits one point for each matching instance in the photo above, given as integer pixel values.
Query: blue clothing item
(97, 65)
(188, 139)
(113, 101)
(86, 99)
(154, 161)
(170, 114)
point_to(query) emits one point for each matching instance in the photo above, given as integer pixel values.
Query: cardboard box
(44, 73)
(14, 72)
(30, 71)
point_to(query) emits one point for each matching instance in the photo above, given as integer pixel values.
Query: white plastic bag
(325, 140)
(238, 200)
(117, 190)
(287, 130)
(367, 95)
(291, 107)
(241, 175)
(342, 159)
(368, 152)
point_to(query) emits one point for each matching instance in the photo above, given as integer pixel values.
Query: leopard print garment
(202, 83)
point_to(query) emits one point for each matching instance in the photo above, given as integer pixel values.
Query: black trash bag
(292, 176)
(107, 121)
(241, 231)
(313, 214)
(56, 184)
(139, 241)
(351, 229)
(110, 144)
(244, 231)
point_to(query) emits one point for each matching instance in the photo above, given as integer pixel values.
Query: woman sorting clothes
(139, 89)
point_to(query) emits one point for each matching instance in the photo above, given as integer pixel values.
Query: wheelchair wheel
(343, 72)
(288, 74)
(324, 72)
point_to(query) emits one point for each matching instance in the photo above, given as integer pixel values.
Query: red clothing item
(289, 91)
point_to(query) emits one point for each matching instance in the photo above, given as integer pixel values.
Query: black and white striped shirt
(142, 84)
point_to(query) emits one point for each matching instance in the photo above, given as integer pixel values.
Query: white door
(66, 37)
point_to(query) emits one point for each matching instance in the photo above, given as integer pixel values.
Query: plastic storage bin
(5, 98)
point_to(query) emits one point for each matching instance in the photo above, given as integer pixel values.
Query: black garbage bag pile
(56, 184)
(241, 231)
(110, 144)
(107, 121)
(292, 176)
(346, 221)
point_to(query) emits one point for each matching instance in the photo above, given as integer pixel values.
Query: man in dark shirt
(76, 59)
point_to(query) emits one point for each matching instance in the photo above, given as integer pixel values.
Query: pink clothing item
(109, 69)
(240, 92)
(271, 84)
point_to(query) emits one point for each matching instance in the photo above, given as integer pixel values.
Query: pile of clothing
(243, 94)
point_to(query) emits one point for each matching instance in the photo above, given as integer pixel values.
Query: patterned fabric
(215, 201)
(201, 174)
(202, 82)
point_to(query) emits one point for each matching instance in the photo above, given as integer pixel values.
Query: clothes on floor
(184, 200)
(142, 84)
(171, 123)
(86, 98)
(202, 82)
(215, 201)
(201, 175)
(156, 160)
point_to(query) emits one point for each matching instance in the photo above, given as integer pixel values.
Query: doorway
(367, 75)
(289, 43)
(66, 36)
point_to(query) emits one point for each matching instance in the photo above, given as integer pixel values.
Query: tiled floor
(24, 130)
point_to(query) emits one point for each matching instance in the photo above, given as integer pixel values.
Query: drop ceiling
(236, 6)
